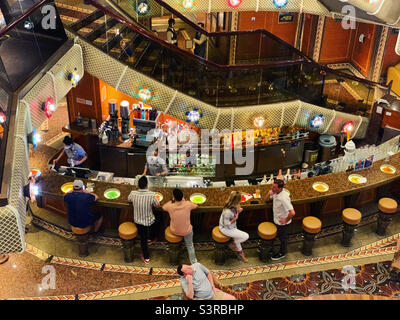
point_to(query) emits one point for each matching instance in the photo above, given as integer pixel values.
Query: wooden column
(378, 64)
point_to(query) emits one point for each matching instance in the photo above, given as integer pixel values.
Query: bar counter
(301, 191)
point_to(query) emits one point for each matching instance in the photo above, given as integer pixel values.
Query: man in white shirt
(283, 214)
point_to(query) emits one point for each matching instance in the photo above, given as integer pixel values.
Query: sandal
(242, 257)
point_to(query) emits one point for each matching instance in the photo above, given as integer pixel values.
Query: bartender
(76, 154)
(155, 165)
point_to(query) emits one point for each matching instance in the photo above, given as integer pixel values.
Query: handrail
(263, 31)
(303, 58)
(179, 51)
(27, 13)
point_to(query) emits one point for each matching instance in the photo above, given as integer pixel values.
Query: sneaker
(146, 261)
(278, 256)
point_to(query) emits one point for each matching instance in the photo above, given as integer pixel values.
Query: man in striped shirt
(143, 201)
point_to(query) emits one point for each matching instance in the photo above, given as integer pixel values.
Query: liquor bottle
(271, 179)
(79, 119)
(264, 180)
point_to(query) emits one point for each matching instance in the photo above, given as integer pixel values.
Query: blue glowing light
(280, 3)
(317, 121)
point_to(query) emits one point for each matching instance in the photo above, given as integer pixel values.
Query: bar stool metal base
(174, 251)
(127, 248)
(265, 249)
(83, 244)
(348, 234)
(383, 222)
(309, 239)
(220, 253)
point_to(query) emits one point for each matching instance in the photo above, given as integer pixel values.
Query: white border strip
(216, 120)
(330, 122)
(54, 87)
(283, 113)
(257, 5)
(358, 127)
(170, 103)
(121, 77)
(377, 11)
(232, 118)
(297, 113)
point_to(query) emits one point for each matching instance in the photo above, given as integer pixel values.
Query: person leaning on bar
(283, 214)
(79, 203)
(143, 202)
(76, 154)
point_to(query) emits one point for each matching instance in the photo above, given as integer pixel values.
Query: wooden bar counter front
(342, 193)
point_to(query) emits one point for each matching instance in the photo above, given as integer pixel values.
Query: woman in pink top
(179, 212)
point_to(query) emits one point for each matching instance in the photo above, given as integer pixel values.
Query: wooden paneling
(85, 99)
(285, 31)
(362, 52)
(269, 22)
(392, 120)
(336, 42)
(390, 57)
(365, 197)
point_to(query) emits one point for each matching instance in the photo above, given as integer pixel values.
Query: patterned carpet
(371, 279)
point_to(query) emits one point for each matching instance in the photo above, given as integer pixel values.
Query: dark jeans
(157, 230)
(283, 236)
(143, 234)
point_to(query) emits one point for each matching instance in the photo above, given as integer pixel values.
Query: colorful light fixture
(144, 94)
(188, 4)
(194, 115)
(259, 122)
(280, 4)
(348, 126)
(317, 121)
(143, 7)
(234, 3)
(2, 118)
(74, 77)
(49, 107)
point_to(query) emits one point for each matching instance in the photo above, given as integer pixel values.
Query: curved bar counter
(342, 193)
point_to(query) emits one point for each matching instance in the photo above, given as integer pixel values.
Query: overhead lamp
(34, 138)
(188, 4)
(317, 121)
(145, 94)
(74, 77)
(143, 7)
(259, 121)
(194, 115)
(28, 25)
(234, 3)
(3, 118)
(348, 126)
(49, 107)
(280, 4)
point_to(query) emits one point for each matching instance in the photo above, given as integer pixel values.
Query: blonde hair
(234, 199)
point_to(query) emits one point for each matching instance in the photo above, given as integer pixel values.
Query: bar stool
(267, 232)
(311, 226)
(127, 232)
(387, 207)
(220, 244)
(82, 239)
(351, 218)
(173, 246)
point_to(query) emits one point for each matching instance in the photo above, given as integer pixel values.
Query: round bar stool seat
(218, 236)
(267, 230)
(127, 230)
(387, 205)
(351, 216)
(170, 237)
(312, 225)
(80, 231)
